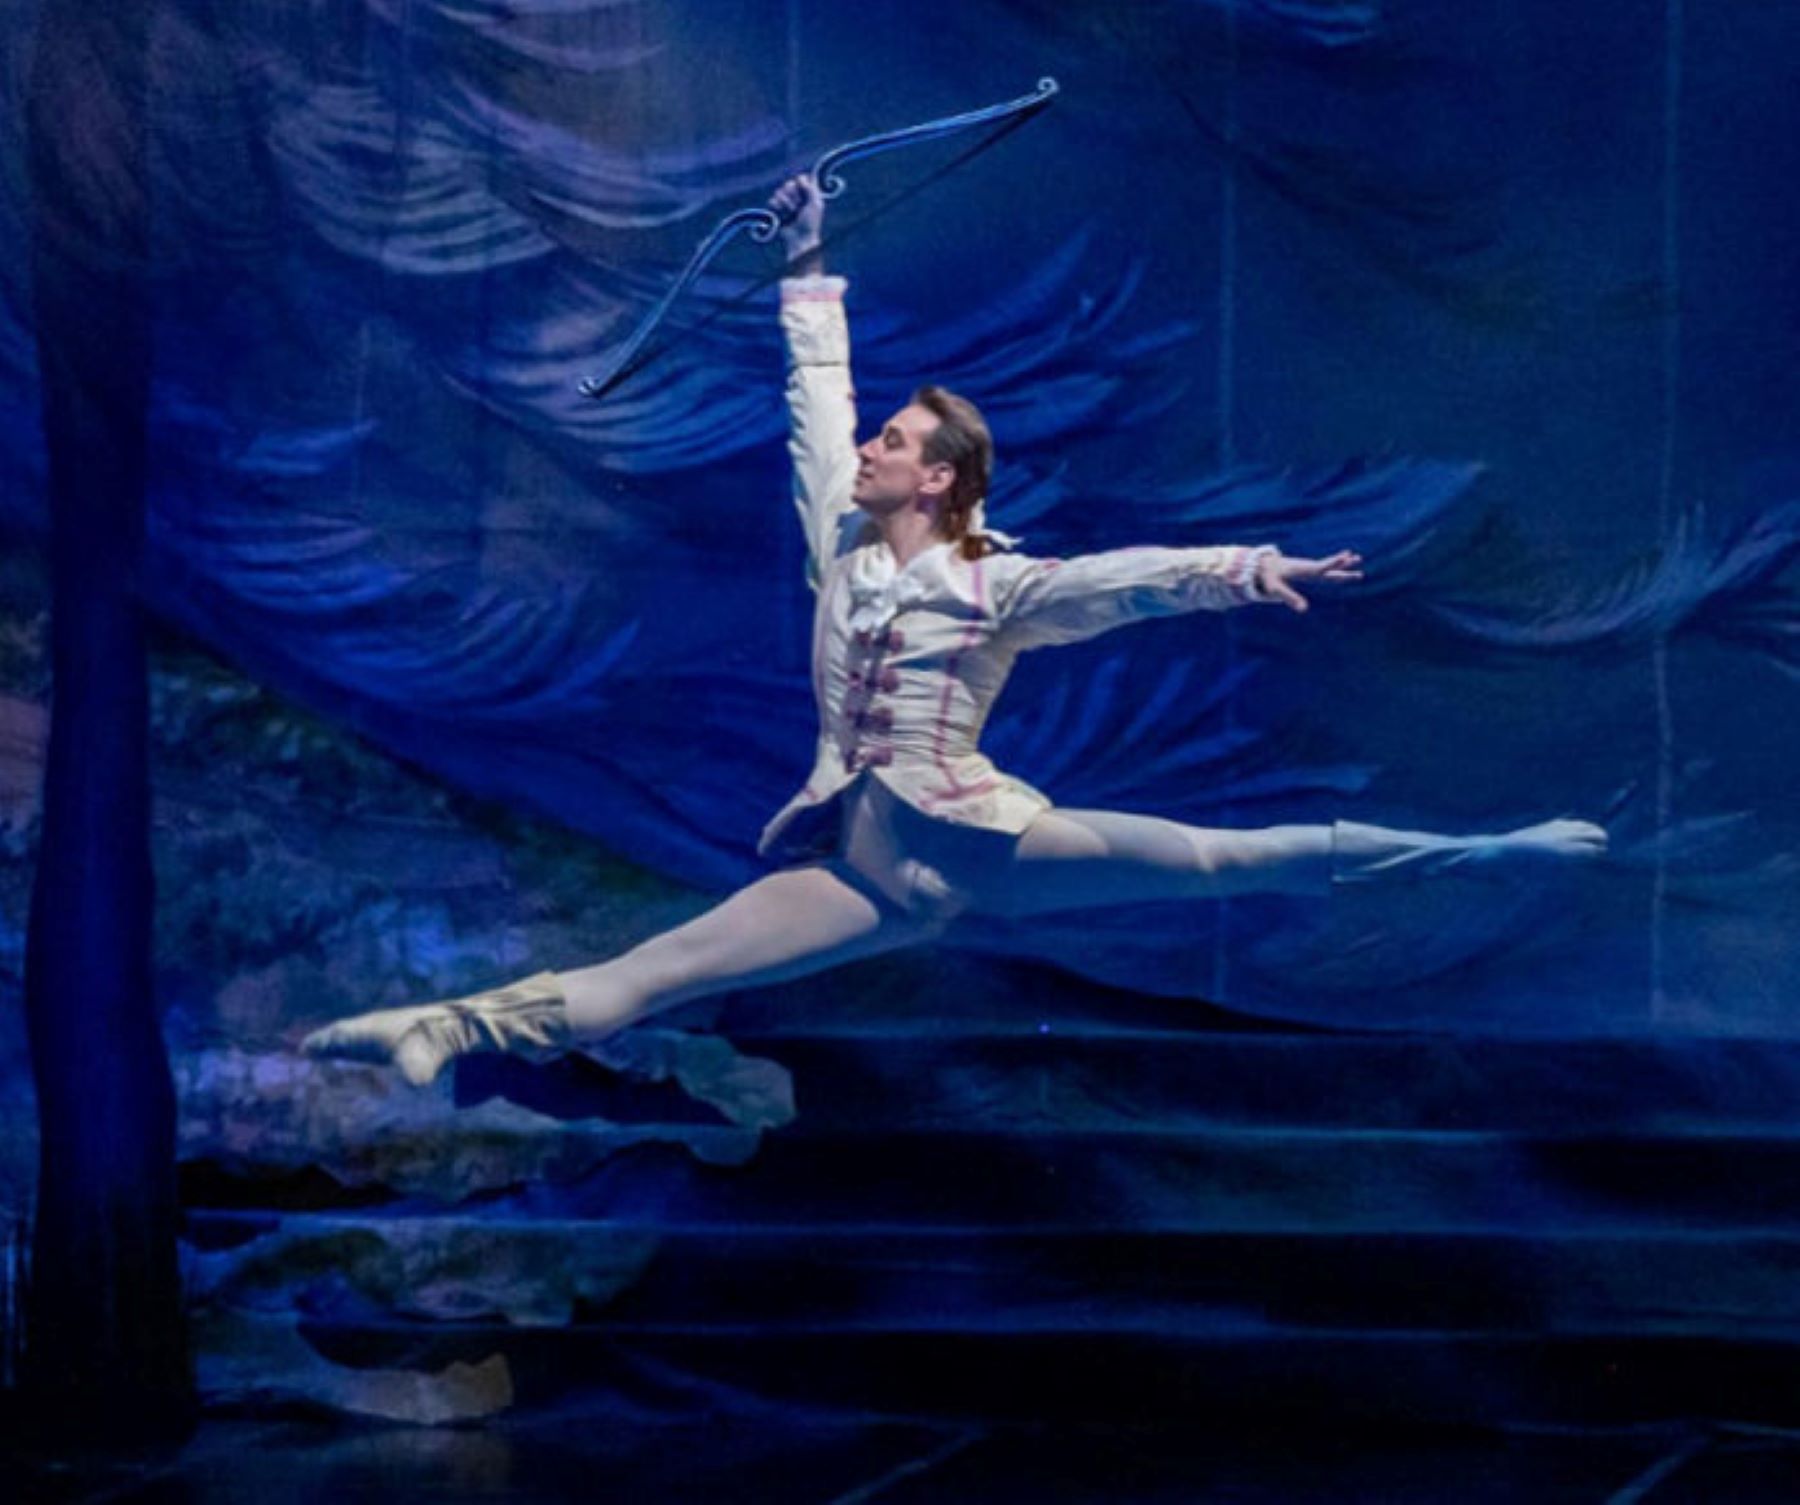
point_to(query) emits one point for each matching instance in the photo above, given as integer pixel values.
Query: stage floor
(272, 1462)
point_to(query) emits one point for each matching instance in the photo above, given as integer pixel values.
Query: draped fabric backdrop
(1500, 295)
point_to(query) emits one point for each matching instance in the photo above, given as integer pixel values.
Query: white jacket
(907, 662)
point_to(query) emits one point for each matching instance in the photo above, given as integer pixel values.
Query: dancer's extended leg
(793, 922)
(1076, 859)
(789, 924)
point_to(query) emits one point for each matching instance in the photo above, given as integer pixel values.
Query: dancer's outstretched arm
(1042, 601)
(820, 400)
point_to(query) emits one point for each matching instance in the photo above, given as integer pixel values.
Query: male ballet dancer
(904, 825)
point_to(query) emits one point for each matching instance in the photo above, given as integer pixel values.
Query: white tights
(899, 878)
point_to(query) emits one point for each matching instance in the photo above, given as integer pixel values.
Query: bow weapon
(763, 224)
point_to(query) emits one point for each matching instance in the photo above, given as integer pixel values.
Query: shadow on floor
(895, 1462)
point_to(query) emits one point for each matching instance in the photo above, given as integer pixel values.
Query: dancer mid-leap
(904, 824)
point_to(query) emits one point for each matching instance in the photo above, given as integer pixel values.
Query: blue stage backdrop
(1500, 294)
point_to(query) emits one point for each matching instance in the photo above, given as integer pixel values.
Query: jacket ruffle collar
(880, 590)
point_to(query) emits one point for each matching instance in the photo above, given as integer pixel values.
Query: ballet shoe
(527, 1018)
(1364, 854)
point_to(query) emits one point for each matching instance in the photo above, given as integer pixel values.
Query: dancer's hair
(961, 440)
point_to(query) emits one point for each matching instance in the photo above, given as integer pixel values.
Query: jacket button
(896, 640)
(880, 757)
(890, 678)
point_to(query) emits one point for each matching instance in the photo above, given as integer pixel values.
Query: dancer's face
(892, 471)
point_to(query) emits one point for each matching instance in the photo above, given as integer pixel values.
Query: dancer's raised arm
(1043, 601)
(820, 400)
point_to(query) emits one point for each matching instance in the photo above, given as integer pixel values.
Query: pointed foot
(526, 1018)
(1563, 840)
(386, 1037)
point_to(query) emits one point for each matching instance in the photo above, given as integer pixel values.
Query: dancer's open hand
(1277, 575)
(801, 209)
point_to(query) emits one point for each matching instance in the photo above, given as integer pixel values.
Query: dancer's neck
(908, 534)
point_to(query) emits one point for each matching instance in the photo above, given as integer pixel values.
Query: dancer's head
(935, 450)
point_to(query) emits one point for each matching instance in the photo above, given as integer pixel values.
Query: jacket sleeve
(1044, 601)
(821, 416)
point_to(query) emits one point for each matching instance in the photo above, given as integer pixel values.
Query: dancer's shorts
(931, 869)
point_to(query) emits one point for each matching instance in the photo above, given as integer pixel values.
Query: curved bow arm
(763, 224)
(824, 170)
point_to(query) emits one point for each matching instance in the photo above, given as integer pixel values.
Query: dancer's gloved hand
(801, 210)
(1277, 575)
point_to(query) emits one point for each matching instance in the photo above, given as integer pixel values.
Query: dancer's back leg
(1079, 859)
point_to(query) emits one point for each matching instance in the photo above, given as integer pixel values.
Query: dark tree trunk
(105, 1337)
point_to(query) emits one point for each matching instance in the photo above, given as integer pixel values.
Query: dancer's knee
(1275, 859)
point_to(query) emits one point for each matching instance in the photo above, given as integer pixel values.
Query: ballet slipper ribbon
(763, 224)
